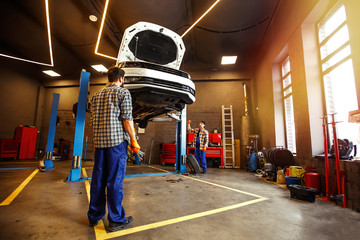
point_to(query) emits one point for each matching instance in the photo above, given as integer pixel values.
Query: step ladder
(228, 137)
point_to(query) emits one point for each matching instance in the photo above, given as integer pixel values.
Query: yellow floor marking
(229, 188)
(175, 220)
(101, 234)
(16, 192)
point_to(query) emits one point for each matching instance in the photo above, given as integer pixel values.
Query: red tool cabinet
(27, 137)
(168, 153)
(9, 148)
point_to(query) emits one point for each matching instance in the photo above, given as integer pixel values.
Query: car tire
(193, 164)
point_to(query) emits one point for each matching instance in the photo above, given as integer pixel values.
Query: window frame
(283, 99)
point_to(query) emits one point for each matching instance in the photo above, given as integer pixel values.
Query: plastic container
(312, 180)
(292, 181)
(302, 193)
(296, 171)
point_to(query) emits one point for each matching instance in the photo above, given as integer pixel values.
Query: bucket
(292, 181)
(312, 180)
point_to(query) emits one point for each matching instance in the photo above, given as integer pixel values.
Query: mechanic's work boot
(113, 226)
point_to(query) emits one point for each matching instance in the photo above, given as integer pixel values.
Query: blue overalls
(200, 155)
(109, 172)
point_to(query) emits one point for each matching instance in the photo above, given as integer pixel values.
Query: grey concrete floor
(223, 204)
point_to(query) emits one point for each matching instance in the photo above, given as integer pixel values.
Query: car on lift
(151, 56)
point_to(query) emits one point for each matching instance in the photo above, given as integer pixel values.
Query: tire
(193, 163)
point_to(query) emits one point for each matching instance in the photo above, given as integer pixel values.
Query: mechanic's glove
(189, 121)
(134, 146)
(204, 149)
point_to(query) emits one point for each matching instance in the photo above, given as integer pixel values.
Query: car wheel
(193, 163)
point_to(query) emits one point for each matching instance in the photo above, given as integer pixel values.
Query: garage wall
(18, 97)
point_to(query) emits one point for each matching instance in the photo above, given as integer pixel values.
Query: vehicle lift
(75, 173)
(51, 133)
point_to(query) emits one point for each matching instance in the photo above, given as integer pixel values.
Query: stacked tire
(280, 157)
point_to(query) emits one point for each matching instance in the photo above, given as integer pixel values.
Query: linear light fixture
(51, 73)
(99, 68)
(100, 32)
(226, 60)
(202, 16)
(49, 39)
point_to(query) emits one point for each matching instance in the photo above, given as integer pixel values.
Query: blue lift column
(51, 134)
(181, 143)
(75, 173)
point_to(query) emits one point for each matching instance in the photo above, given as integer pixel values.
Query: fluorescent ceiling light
(49, 40)
(100, 32)
(51, 73)
(228, 60)
(99, 68)
(93, 18)
(202, 16)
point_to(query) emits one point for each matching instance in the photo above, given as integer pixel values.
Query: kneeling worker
(112, 121)
(201, 141)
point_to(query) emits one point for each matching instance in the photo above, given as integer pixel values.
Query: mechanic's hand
(134, 146)
(204, 149)
(189, 121)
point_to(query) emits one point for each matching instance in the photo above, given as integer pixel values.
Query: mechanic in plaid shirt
(201, 141)
(112, 121)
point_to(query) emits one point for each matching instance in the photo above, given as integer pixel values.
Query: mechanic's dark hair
(114, 73)
(203, 122)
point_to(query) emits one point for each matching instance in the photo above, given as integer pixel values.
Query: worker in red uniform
(112, 122)
(201, 141)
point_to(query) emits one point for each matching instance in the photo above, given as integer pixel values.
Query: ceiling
(233, 27)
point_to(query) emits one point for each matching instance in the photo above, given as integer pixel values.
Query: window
(337, 71)
(288, 105)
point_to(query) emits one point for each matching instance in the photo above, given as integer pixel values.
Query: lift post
(75, 173)
(181, 143)
(51, 133)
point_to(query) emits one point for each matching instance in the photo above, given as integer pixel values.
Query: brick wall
(66, 131)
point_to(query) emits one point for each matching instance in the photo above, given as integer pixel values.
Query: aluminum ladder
(228, 137)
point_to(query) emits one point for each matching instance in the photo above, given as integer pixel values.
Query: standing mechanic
(112, 121)
(201, 141)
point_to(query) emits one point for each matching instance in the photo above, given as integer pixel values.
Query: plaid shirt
(203, 137)
(109, 107)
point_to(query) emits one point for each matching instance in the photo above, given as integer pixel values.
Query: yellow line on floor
(101, 234)
(156, 168)
(16, 192)
(229, 188)
(174, 220)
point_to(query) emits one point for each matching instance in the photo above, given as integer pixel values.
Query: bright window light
(51, 73)
(228, 60)
(99, 68)
(338, 73)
